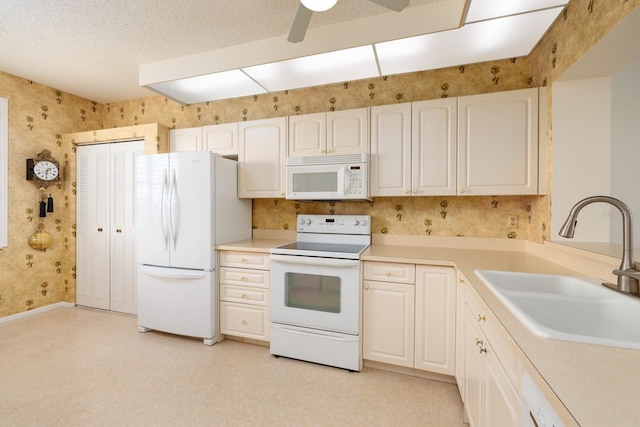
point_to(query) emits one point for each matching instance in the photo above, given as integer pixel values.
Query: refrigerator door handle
(163, 207)
(172, 273)
(173, 213)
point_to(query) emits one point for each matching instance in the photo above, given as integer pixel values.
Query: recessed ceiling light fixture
(318, 5)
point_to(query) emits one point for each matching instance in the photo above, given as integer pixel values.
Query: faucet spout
(627, 274)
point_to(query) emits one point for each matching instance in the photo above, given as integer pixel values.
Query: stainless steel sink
(568, 308)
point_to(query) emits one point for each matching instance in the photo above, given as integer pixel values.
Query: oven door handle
(328, 262)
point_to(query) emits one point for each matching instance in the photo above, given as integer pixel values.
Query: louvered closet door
(123, 296)
(92, 226)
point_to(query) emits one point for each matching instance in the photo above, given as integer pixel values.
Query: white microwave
(336, 177)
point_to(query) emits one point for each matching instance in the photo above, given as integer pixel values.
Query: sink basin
(568, 308)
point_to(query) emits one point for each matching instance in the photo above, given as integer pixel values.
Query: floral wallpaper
(39, 116)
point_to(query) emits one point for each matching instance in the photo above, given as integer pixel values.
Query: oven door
(319, 293)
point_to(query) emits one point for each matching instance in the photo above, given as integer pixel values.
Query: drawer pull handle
(244, 322)
(243, 296)
(460, 280)
(483, 350)
(243, 260)
(479, 342)
(243, 278)
(388, 273)
(481, 318)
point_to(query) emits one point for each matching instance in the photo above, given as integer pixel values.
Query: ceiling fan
(307, 7)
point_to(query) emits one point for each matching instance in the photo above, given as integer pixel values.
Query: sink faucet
(627, 274)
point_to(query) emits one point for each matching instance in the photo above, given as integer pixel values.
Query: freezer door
(191, 210)
(152, 190)
(178, 301)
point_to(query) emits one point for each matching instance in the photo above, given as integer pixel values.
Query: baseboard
(35, 311)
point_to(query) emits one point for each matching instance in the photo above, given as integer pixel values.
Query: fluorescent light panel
(501, 38)
(480, 10)
(210, 87)
(315, 70)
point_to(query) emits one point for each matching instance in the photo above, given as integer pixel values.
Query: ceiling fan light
(319, 5)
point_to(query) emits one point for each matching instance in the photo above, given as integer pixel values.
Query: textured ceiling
(93, 49)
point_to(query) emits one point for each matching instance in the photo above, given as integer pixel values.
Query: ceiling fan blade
(395, 5)
(300, 24)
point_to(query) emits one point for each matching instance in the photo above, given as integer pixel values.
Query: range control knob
(301, 221)
(356, 222)
(308, 221)
(363, 222)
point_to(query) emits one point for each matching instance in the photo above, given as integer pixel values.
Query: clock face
(46, 171)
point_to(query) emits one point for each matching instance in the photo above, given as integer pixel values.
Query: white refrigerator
(186, 204)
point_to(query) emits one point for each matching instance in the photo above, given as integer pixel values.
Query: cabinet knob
(460, 280)
(244, 322)
(243, 260)
(243, 278)
(483, 350)
(406, 191)
(366, 287)
(479, 342)
(481, 318)
(387, 273)
(415, 191)
(461, 190)
(243, 296)
(322, 152)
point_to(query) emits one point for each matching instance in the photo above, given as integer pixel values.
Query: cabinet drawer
(244, 320)
(244, 277)
(244, 259)
(390, 272)
(244, 295)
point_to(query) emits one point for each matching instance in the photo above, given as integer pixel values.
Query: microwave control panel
(356, 180)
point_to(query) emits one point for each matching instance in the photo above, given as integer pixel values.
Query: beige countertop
(597, 385)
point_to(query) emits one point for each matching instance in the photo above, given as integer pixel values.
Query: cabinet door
(502, 405)
(186, 139)
(460, 328)
(390, 161)
(475, 348)
(261, 158)
(221, 139)
(92, 225)
(308, 135)
(388, 323)
(348, 131)
(435, 319)
(433, 147)
(498, 143)
(123, 253)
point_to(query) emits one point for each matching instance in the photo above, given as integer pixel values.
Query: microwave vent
(327, 160)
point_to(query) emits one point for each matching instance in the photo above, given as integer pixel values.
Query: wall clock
(46, 169)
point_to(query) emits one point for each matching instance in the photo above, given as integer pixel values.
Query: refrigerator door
(152, 189)
(178, 301)
(191, 210)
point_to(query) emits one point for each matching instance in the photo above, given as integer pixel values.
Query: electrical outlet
(512, 221)
(276, 217)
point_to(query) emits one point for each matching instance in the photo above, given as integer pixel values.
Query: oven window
(312, 292)
(315, 182)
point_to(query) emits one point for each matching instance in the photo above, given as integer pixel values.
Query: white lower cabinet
(244, 294)
(409, 316)
(492, 371)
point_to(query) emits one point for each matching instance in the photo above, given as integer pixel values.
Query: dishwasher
(536, 410)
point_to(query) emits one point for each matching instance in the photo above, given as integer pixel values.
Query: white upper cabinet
(336, 132)
(186, 139)
(390, 160)
(433, 147)
(221, 139)
(498, 143)
(413, 148)
(261, 158)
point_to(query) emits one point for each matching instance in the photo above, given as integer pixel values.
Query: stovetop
(329, 236)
